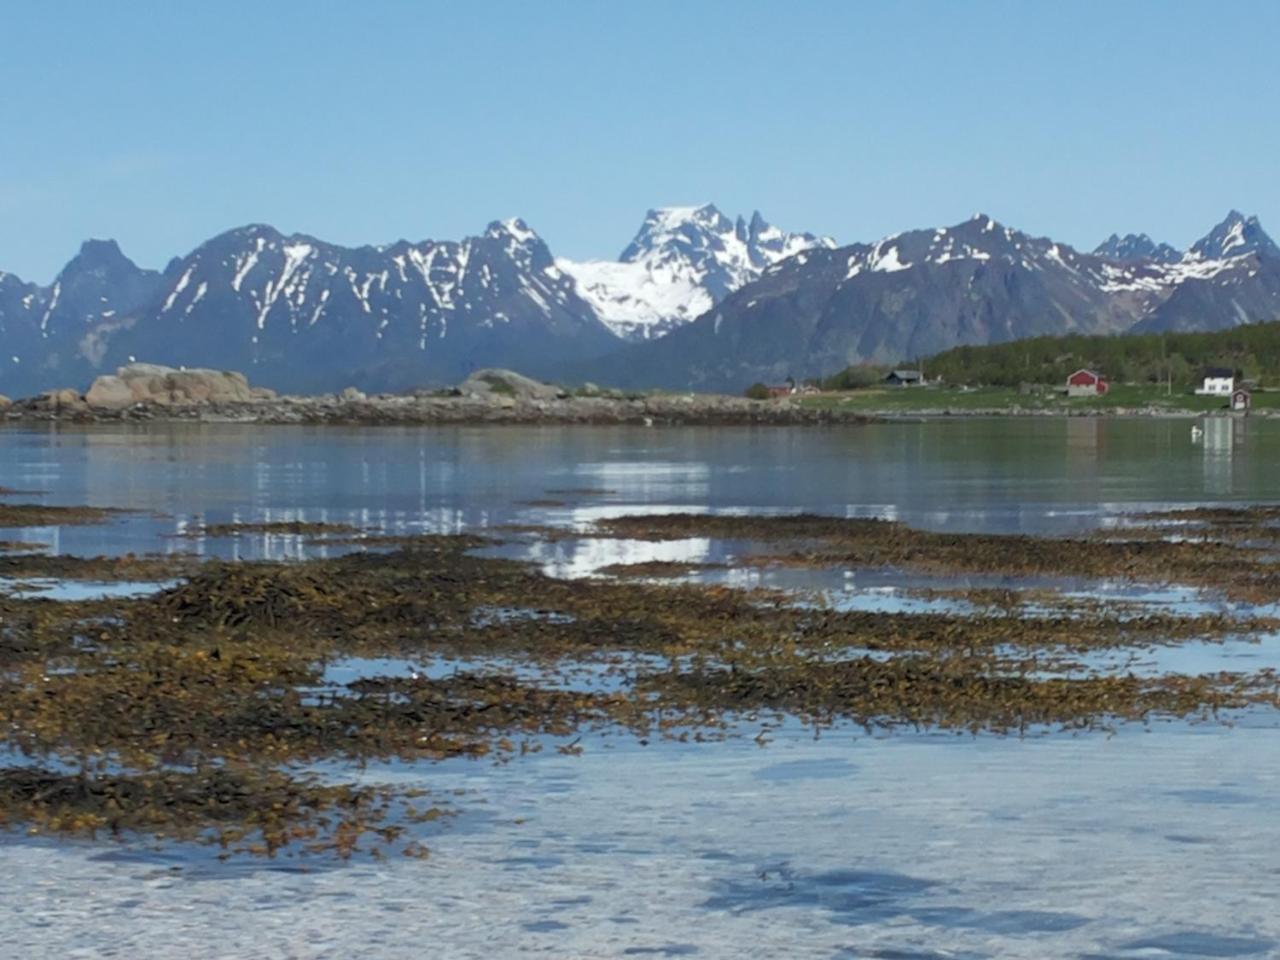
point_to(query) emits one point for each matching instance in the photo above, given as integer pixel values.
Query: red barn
(1086, 383)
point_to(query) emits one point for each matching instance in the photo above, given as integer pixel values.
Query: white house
(1218, 382)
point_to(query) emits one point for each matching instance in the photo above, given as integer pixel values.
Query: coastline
(651, 410)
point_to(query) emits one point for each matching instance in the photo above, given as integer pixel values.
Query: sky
(162, 124)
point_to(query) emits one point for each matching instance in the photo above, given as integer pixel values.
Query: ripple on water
(1191, 943)
(851, 896)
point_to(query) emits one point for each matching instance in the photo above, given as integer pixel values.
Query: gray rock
(351, 393)
(491, 383)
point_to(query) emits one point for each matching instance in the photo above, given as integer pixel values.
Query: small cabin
(904, 378)
(780, 390)
(1241, 399)
(1217, 382)
(1086, 383)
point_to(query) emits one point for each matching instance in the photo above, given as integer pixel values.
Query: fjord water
(1153, 842)
(999, 475)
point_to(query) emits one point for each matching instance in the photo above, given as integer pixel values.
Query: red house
(1086, 383)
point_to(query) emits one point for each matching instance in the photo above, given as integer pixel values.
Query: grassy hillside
(1137, 359)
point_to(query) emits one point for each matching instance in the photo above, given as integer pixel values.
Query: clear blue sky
(161, 124)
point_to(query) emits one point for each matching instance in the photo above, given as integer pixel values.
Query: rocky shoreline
(144, 392)
(697, 409)
(149, 393)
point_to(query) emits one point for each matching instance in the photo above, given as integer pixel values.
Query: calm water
(1151, 843)
(1002, 475)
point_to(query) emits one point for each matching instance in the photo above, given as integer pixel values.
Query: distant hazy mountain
(683, 262)
(1136, 246)
(920, 292)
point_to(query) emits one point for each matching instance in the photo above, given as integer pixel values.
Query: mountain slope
(682, 262)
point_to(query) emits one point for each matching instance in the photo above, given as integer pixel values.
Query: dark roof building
(904, 378)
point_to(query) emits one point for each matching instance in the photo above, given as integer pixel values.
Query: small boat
(1197, 431)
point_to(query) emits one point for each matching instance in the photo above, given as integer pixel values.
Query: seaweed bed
(199, 712)
(40, 515)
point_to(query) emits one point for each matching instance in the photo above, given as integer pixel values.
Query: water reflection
(1225, 445)
(1058, 476)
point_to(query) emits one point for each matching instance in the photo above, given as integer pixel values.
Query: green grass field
(935, 400)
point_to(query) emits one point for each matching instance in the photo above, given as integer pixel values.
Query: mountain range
(697, 300)
(920, 292)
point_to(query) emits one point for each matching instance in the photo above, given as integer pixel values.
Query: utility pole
(1168, 367)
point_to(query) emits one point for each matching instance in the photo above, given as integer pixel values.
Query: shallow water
(54, 589)
(1153, 842)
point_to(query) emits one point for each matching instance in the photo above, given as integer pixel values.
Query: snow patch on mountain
(682, 262)
(639, 300)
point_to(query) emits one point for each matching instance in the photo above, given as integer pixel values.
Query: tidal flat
(596, 709)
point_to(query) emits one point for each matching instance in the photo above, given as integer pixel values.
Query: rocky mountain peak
(1237, 235)
(100, 258)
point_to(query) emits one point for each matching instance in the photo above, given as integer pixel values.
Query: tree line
(1179, 358)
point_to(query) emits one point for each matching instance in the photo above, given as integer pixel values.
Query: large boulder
(111, 392)
(66, 398)
(5, 403)
(494, 383)
(152, 383)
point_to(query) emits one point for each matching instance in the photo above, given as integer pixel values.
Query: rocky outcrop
(5, 402)
(495, 383)
(66, 398)
(143, 383)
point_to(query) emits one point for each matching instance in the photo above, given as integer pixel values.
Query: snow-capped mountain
(682, 262)
(1229, 277)
(1136, 246)
(301, 314)
(923, 291)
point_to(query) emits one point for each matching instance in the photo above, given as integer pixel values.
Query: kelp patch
(196, 712)
(43, 515)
